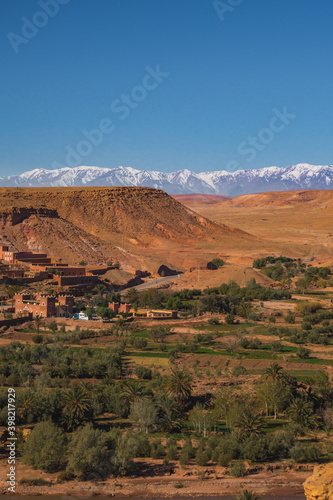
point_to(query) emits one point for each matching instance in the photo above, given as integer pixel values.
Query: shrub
(303, 353)
(53, 326)
(157, 449)
(237, 469)
(45, 447)
(308, 307)
(126, 450)
(305, 452)
(37, 339)
(40, 481)
(230, 318)
(217, 262)
(226, 451)
(276, 346)
(239, 370)
(65, 476)
(201, 458)
(289, 318)
(143, 372)
(88, 453)
(172, 451)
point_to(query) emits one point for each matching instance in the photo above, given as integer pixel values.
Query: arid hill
(142, 226)
(200, 198)
(298, 221)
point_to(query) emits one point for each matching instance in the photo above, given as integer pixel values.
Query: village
(61, 287)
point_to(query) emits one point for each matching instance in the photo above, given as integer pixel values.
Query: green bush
(239, 370)
(237, 469)
(172, 451)
(157, 449)
(303, 353)
(45, 447)
(305, 452)
(213, 321)
(143, 373)
(65, 476)
(88, 454)
(201, 458)
(53, 326)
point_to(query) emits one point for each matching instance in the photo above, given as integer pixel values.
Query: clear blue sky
(225, 78)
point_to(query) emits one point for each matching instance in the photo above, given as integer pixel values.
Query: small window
(18, 301)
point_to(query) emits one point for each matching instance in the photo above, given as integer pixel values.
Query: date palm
(179, 385)
(301, 412)
(38, 321)
(167, 412)
(132, 390)
(247, 495)
(274, 372)
(250, 423)
(76, 405)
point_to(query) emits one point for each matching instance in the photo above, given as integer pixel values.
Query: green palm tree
(274, 372)
(247, 495)
(76, 405)
(250, 423)
(301, 412)
(179, 385)
(26, 406)
(38, 321)
(132, 390)
(168, 418)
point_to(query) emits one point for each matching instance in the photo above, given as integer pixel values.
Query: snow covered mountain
(301, 176)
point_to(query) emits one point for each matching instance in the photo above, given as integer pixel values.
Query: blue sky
(227, 70)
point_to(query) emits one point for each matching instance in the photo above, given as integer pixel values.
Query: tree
(249, 423)
(90, 311)
(45, 447)
(167, 413)
(38, 321)
(88, 456)
(179, 385)
(274, 393)
(76, 405)
(143, 412)
(132, 390)
(303, 353)
(274, 372)
(201, 419)
(301, 412)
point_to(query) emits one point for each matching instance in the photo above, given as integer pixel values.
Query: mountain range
(300, 176)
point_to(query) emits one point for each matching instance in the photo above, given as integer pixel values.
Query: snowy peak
(300, 176)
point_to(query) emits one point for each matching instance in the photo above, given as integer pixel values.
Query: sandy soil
(156, 481)
(298, 221)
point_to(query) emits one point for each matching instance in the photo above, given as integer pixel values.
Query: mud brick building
(43, 305)
(120, 308)
(25, 257)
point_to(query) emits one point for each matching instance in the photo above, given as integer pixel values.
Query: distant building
(43, 305)
(162, 314)
(120, 308)
(11, 256)
(75, 280)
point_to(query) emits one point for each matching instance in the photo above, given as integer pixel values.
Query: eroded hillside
(143, 226)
